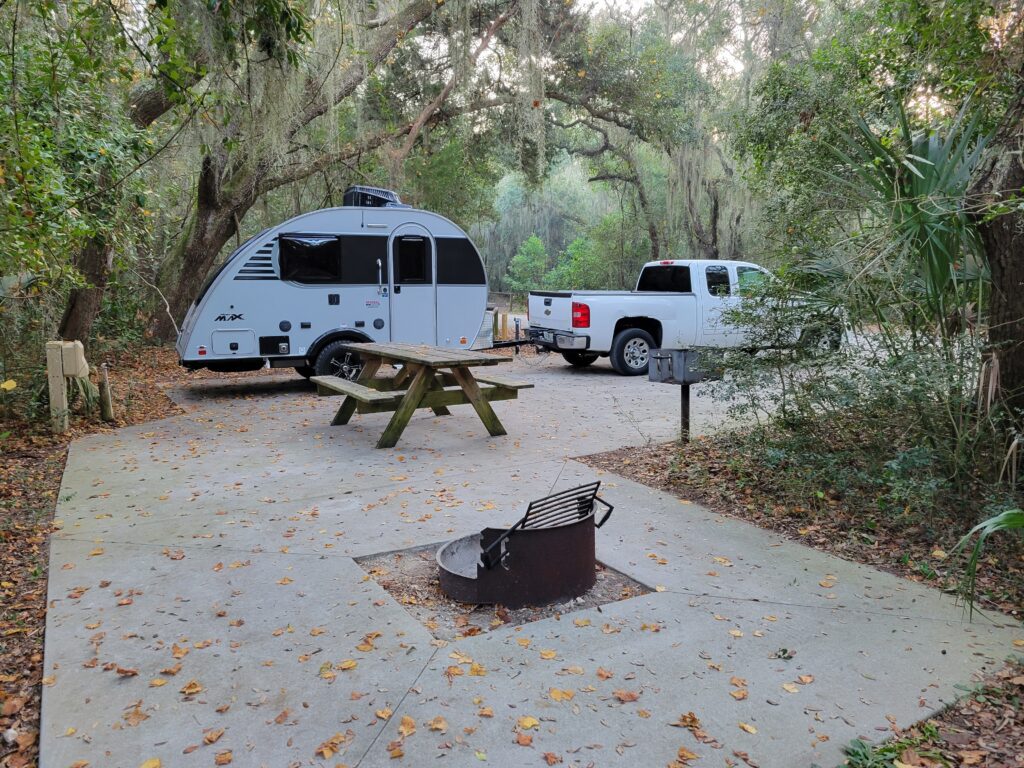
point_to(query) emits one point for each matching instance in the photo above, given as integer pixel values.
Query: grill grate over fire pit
(547, 556)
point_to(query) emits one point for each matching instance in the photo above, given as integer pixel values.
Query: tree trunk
(212, 225)
(1001, 179)
(93, 262)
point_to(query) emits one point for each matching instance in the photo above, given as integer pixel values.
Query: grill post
(684, 412)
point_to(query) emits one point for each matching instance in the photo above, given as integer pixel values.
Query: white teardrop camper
(372, 270)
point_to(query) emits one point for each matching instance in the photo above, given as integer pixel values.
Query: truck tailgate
(551, 309)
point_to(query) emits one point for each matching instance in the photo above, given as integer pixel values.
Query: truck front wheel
(631, 352)
(579, 359)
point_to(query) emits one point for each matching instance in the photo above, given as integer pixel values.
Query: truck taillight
(580, 315)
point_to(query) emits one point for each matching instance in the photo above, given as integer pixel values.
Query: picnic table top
(425, 354)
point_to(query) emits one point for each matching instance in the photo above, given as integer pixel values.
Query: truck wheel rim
(637, 353)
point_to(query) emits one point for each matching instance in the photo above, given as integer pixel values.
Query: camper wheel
(335, 360)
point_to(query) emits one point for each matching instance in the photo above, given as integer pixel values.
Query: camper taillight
(201, 351)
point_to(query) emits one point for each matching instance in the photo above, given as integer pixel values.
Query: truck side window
(310, 258)
(718, 280)
(665, 279)
(412, 260)
(749, 279)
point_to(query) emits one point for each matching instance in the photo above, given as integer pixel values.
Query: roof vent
(371, 197)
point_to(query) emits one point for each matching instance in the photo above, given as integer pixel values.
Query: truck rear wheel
(631, 352)
(579, 359)
(335, 360)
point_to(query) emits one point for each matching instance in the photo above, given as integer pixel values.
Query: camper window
(364, 259)
(412, 258)
(310, 258)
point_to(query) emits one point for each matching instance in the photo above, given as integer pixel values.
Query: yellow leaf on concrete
(477, 670)
(791, 687)
(581, 622)
(548, 655)
(153, 762)
(739, 694)
(557, 694)
(438, 724)
(527, 722)
(383, 714)
(407, 727)
(747, 727)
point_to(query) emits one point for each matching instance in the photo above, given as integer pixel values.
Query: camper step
(501, 381)
(334, 385)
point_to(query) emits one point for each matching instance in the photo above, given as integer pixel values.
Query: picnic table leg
(421, 378)
(348, 405)
(483, 408)
(435, 385)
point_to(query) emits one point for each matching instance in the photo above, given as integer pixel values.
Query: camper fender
(338, 334)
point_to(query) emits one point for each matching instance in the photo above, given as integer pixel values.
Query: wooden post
(504, 326)
(58, 387)
(684, 425)
(106, 401)
(494, 324)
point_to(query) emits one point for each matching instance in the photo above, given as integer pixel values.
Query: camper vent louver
(259, 266)
(371, 197)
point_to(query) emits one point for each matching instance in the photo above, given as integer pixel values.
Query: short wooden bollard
(64, 360)
(106, 400)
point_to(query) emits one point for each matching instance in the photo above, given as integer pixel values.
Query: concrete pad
(230, 531)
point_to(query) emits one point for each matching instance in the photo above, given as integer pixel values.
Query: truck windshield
(665, 279)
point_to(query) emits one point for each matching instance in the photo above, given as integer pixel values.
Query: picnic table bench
(430, 377)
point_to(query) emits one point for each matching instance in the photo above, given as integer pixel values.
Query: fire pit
(547, 556)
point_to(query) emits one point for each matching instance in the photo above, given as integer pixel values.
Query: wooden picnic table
(430, 377)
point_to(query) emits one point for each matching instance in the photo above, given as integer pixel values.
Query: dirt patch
(706, 471)
(410, 576)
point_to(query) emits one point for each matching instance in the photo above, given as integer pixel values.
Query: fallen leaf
(485, 712)
(153, 762)
(604, 674)
(223, 758)
(192, 687)
(626, 696)
(383, 714)
(477, 670)
(157, 682)
(348, 664)
(747, 727)
(805, 679)
(548, 655)
(527, 722)
(213, 735)
(685, 756)
(407, 727)
(581, 622)
(739, 694)
(558, 694)
(735, 633)
(524, 739)
(791, 687)
(551, 758)
(438, 724)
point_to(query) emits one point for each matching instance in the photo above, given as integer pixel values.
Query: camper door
(413, 285)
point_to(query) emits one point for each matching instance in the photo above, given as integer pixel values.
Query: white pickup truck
(677, 304)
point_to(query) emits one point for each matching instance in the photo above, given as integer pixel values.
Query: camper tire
(335, 360)
(579, 359)
(631, 352)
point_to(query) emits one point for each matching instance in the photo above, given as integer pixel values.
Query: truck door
(413, 285)
(718, 298)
